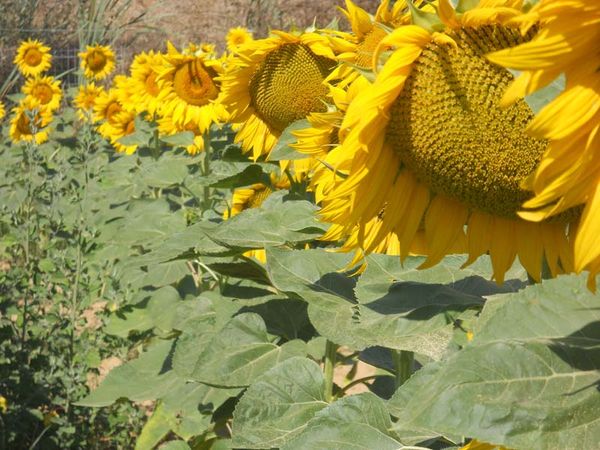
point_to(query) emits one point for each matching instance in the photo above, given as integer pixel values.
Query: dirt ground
(186, 21)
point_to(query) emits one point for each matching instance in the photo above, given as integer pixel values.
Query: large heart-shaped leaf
(359, 422)
(279, 404)
(241, 352)
(529, 379)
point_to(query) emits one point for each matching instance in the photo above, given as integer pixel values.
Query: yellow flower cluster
(33, 114)
(418, 137)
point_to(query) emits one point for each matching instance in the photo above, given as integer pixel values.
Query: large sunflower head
(85, 100)
(569, 173)
(189, 90)
(30, 122)
(97, 62)
(46, 90)
(33, 58)
(273, 82)
(145, 69)
(429, 145)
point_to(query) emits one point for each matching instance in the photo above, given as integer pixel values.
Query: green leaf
(183, 245)
(279, 404)
(162, 307)
(357, 422)
(141, 136)
(144, 378)
(312, 275)
(287, 318)
(166, 273)
(128, 319)
(143, 222)
(157, 311)
(155, 429)
(407, 315)
(282, 150)
(427, 20)
(243, 267)
(164, 173)
(232, 175)
(194, 315)
(276, 222)
(47, 265)
(174, 445)
(241, 352)
(182, 139)
(529, 379)
(189, 407)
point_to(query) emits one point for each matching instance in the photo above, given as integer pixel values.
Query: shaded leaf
(146, 378)
(528, 380)
(357, 422)
(241, 352)
(282, 149)
(279, 404)
(182, 139)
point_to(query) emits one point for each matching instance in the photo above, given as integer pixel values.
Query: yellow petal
(567, 113)
(587, 242)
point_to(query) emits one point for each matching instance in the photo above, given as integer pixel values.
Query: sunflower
(236, 37)
(429, 146)
(327, 169)
(273, 82)
(45, 89)
(569, 173)
(2, 110)
(30, 122)
(166, 127)
(107, 106)
(321, 140)
(253, 197)
(33, 58)
(367, 32)
(123, 124)
(477, 445)
(85, 100)
(124, 88)
(144, 70)
(189, 94)
(97, 62)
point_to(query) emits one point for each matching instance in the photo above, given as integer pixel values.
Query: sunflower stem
(403, 365)
(328, 366)
(206, 169)
(155, 145)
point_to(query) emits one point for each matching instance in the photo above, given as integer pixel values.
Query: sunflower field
(381, 234)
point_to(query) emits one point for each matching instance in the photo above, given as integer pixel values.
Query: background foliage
(130, 317)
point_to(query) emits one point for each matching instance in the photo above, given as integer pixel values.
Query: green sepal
(429, 21)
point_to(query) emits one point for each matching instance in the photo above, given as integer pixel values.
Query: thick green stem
(155, 145)
(206, 170)
(29, 156)
(403, 365)
(329, 365)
